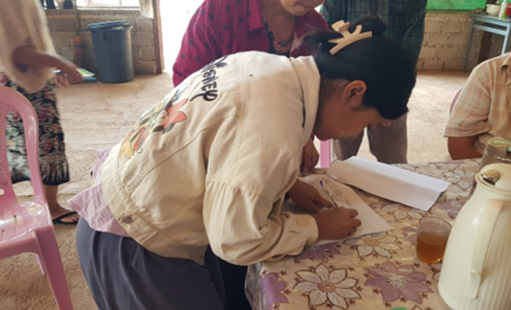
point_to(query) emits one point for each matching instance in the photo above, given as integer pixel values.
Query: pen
(328, 192)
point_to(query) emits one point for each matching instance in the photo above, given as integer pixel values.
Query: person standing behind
(405, 23)
(223, 27)
(27, 63)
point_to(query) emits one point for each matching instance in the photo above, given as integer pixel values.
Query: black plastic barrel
(112, 46)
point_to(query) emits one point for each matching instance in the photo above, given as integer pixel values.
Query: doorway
(175, 16)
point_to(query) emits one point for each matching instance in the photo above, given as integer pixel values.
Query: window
(107, 3)
(465, 5)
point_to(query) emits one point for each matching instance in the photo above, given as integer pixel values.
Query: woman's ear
(354, 93)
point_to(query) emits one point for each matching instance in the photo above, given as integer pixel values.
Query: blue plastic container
(112, 46)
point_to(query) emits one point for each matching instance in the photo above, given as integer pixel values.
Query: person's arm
(243, 227)
(200, 44)
(414, 35)
(29, 57)
(462, 147)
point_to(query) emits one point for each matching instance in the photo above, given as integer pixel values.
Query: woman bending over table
(186, 184)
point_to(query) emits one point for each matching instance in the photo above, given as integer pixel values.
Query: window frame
(99, 4)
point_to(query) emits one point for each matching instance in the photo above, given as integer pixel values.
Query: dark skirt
(52, 150)
(123, 275)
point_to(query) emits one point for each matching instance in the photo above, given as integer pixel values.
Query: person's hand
(67, 75)
(29, 56)
(310, 157)
(61, 80)
(336, 223)
(307, 197)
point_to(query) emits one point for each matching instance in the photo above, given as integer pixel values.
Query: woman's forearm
(27, 56)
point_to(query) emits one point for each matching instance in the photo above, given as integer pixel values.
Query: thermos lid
(497, 175)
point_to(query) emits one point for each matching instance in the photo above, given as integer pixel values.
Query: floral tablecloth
(373, 272)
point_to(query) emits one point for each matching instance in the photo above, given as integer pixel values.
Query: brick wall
(64, 23)
(445, 42)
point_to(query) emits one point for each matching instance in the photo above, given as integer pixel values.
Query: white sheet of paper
(396, 184)
(343, 196)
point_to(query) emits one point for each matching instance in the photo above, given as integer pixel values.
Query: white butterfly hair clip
(347, 37)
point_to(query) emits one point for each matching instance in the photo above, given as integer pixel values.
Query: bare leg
(55, 209)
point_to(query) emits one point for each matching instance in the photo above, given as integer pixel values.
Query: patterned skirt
(52, 156)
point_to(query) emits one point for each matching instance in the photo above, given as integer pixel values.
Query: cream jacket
(211, 163)
(23, 23)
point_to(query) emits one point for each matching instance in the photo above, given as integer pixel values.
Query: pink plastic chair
(324, 154)
(27, 227)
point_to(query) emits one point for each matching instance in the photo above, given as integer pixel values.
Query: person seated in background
(223, 27)
(187, 184)
(482, 110)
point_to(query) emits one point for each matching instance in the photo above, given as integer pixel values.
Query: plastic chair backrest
(11, 100)
(27, 226)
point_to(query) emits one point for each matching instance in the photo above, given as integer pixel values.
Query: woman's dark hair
(380, 61)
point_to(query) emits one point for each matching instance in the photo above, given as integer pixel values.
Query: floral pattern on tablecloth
(395, 281)
(376, 245)
(327, 286)
(401, 212)
(372, 272)
(274, 290)
(319, 252)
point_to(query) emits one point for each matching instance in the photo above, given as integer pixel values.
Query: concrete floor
(97, 115)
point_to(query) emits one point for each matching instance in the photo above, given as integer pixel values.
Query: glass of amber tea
(432, 239)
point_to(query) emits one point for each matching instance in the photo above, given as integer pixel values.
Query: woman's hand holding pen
(334, 223)
(307, 197)
(337, 223)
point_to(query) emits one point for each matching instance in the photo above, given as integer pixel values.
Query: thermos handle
(487, 225)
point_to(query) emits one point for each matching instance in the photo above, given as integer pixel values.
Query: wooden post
(158, 41)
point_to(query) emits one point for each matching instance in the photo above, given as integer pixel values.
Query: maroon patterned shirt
(222, 27)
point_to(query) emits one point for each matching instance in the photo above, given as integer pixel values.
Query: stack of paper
(392, 183)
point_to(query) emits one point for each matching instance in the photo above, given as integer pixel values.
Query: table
(374, 272)
(491, 24)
